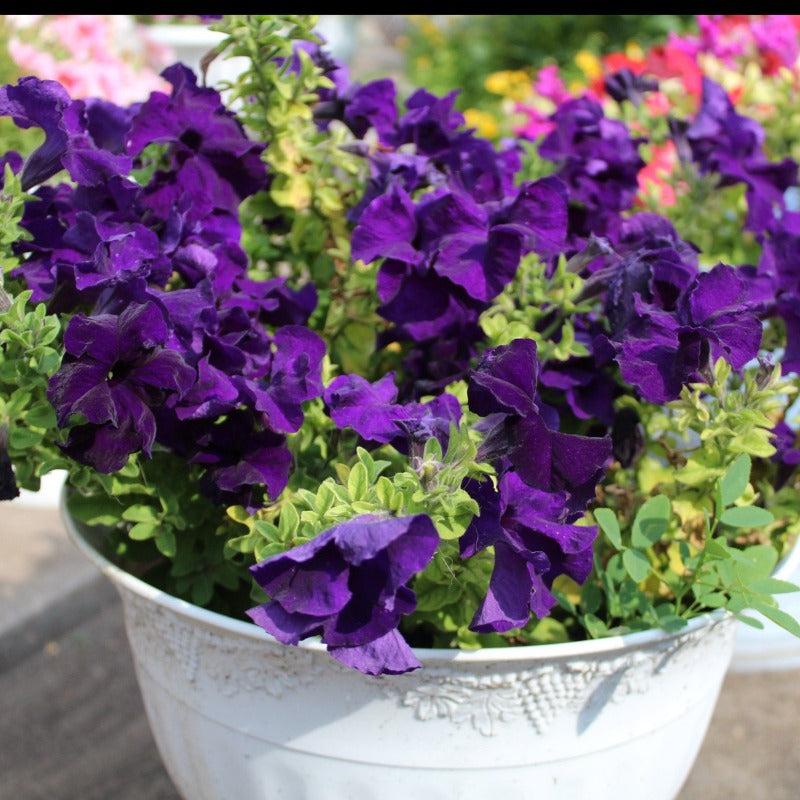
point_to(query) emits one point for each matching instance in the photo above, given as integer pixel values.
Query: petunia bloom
(116, 370)
(533, 544)
(349, 587)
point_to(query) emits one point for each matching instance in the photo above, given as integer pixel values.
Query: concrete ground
(72, 725)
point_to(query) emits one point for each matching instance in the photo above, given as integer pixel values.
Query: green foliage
(447, 52)
(27, 361)
(29, 356)
(649, 574)
(300, 223)
(535, 306)
(728, 415)
(165, 530)
(379, 483)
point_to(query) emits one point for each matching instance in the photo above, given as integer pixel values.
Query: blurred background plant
(448, 51)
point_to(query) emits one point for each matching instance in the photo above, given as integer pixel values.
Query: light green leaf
(717, 547)
(746, 517)
(735, 480)
(595, 627)
(288, 521)
(772, 586)
(141, 513)
(651, 521)
(779, 617)
(142, 531)
(358, 482)
(637, 564)
(607, 520)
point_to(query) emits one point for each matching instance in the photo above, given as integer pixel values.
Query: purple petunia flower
(533, 544)
(68, 129)
(349, 586)
(503, 388)
(371, 410)
(626, 85)
(721, 141)
(115, 372)
(597, 159)
(194, 120)
(661, 350)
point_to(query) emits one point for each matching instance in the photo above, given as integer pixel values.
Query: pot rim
(427, 656)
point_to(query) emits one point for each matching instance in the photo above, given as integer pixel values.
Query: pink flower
(537, 124)
(548, 84)
(657, 103)
(776, 37)
(105, 58)
(653, 177)
(33, 61)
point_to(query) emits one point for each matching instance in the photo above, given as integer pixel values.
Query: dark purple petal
(387, 229)
(507, 601)
(387, 655)
(505, 380)
(368, 408)
(349, 585)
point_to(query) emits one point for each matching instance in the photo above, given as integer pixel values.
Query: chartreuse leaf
(651, 521)
(142, 531)
(358, 482)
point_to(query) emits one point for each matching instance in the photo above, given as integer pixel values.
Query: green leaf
(142, 531)
(651, 521)
(671, 622)
(384, 491)
(325, 499)
(746, 517)
(717, 547)
(141, 513)
(591, 597)
(753, 623)
(165, 541)
(607, 520)
(358, 482)
(772, 586)
(453, 527)
(735, 480)
(21, 438)
(755, 442)
(637, 564)
(595, 627)
(288, 521)
(779, 617)
(94, 510)
(436, 597)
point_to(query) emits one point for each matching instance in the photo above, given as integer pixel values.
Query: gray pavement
(72, 725)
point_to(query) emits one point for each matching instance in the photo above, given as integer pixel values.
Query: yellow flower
(589, 64)
(515, 84)
(634, 52)
(483, 121)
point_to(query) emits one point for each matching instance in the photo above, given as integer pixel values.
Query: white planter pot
(237, 716)
(49, 492)
(772, 648)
